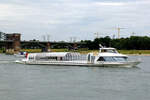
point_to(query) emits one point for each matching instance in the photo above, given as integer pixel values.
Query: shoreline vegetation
(134, 45)
(85, 51)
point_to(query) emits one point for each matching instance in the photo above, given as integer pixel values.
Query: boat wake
(6, 61)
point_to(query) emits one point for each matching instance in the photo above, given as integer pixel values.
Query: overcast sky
(62, 19)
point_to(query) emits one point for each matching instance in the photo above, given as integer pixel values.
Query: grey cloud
(65, 18)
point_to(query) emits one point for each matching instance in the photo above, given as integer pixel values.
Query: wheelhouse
(108, 50)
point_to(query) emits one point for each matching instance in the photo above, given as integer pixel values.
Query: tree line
(129, 43)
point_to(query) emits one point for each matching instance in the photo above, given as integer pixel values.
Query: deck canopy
(53, 54)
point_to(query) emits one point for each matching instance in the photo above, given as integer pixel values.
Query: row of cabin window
(54, 58)
(58, 58)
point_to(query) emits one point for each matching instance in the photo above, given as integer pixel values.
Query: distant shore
(138, 54)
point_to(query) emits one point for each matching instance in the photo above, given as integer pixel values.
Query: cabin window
(109, 50)
(89, 57)
(31, 57)
(101, 59)
(43, 58)
(46, 58)
(120, 58)
(103, 50)
(112, 59)
(52, 58)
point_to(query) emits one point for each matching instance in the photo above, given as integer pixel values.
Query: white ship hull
(81, 63)
(107, 57)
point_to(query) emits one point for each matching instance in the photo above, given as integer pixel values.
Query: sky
(65, 20)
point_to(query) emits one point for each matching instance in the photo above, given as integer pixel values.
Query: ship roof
(54, 54)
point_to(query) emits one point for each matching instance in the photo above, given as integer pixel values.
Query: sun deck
(56, 56)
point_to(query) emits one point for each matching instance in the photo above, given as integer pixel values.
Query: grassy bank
(60, 50)
(1, 51)
(31, 50)
(134, 51)
(140, 52)
(85, 51)
(96, 51)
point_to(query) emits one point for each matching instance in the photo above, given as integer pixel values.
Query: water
(43, 82)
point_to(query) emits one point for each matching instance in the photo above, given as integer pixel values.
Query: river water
(44, 82)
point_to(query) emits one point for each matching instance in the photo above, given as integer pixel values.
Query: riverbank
(127, 52)
(85, 51)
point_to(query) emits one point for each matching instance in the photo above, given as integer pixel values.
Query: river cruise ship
(106, 57)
